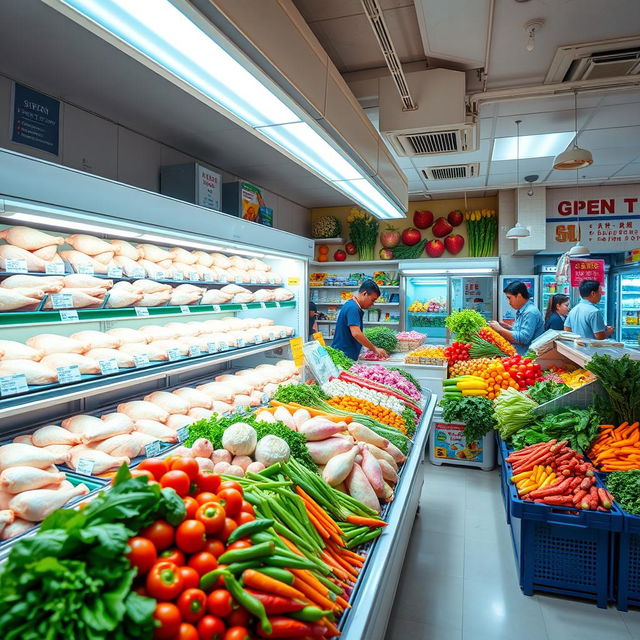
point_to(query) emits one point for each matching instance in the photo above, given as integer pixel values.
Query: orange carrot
(333, 630)
(262, 582)
(311, 594)
(309, 578)
(367, 522)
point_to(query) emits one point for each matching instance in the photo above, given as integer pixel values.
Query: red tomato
(191, 536)
(229, 526)
(212, 515)
(139, 473)
(164, 581)
(190, 577)
(187, 632)
(206, 496)
(244, 517)
(208, 481)
(142, 555)
(231, 500)
(237, 633)
(177, 480)
(215, 547)
(203, 562)
(161, 533)
(241, 544)
(247, 507)
(192, 604)
(173, 555)
(211, 628)
(169, 617)
(238, 618)
(220, 603)
(188, 465)
(191, 506)
(157, 467)
(231, 484)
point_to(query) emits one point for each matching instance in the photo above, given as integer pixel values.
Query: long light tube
(163, 34)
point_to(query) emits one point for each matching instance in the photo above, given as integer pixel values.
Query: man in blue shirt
(349, 337)
(528, 324)
(585, 318)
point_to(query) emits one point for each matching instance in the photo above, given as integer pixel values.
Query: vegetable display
(513, 412)
(338, 387)
(482, 231)
(326, 227)
(363, 230)
(464, 386)
(383, 338)
(617, 448)
(525, 372)
(388, 377)
(475, 411)
(481, 348)
(464, 324)
(339, 358)
(407, 376)
(354, 405)
(488, 334)
(457, 352)
(547, 390)
(625, 488)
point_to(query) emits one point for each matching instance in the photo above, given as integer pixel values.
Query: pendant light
(578, 249)
(576, 157)
(518, 231)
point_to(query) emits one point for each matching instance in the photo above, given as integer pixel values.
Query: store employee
(349, 337)
(528, 324)
(585, 318)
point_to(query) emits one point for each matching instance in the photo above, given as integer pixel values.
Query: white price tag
(142, 312)
(283, 334)
(254, 281)
(272, 280)
(114, 272)
(183, 434)
(61, 300)
(138, 273)
(257, 339)
(263, 305)
(87, 269)
(174, 354)
(69, 374)
(54, 268)
(184, 309)
(193, 275)
(216, 308)
(223, 279)
(194, 350)
(16, 265)
(277, 305)
(141, 359)
(244, 307)
(69, 315)
(108, 366)
(239, 280)
(213, 347)
(152, 449)
(272, 336)
(241, 343)
(178, 275)
(85, 466)
(11, 385)
(159, 275)
(265, 398)
(223, 346)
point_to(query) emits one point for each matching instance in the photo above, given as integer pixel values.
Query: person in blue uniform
(313, 319)
(557, 312)
(585, 318)
(349, 337)
(528, 324)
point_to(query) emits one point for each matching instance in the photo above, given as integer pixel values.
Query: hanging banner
(586, 270)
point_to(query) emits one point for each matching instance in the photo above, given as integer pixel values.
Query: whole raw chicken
(153, 253)
(47, 343)
(85, 281)
(283, 294)
(149, 286)
(215, 296)
(129, 445)
(142, 410)
(218, 260)
(102, 461)
(156, 332)
(53, 434)
(87, 364)
(36, 373)
(77, 258)
(48, 284)
(124, 248)
(96, 339)
(186, 294)
(156, 429)
(18, 479)
(203, 258)
(24, 455)
(37, 504)
(125, 335)
(154, 353)
(29, 239)
(124, 360)
(34, 264)
(12, 299)
(104, 258)
(129, 266)
(46, 253)
(81, 298)
(92, 429)
(119, 298)
(156, 299)
(90, 245)
(181, 255)
(170, 402)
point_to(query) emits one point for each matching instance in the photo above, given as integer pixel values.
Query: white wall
(510, 264)
(96, 145)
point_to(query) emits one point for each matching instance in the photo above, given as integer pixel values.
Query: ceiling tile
(536, 123)
(632, 169)
(622, 137)
(543, 105)
(619, 156)
(527, 166)
(623, 115)
(622, 97)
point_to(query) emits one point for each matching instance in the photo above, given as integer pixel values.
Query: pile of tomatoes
(523, 371)
(171, 560)
(457, 352)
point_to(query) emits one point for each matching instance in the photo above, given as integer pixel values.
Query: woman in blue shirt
(557, 312)
(528, 324)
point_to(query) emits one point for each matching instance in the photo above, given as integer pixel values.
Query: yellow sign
(296, 351)
(293, 282)
(320, 338)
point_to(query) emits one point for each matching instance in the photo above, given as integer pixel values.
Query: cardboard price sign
(589, 269)
(320, 338)
(297, 352)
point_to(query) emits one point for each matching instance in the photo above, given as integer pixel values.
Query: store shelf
(357, 263)
(339, 304)
(364, 322)
(429, 313)
(352, 286)
(318, 241)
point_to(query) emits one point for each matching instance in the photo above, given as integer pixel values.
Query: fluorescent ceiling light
(538, 146)
(363, 192)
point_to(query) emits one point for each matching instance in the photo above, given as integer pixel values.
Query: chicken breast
(90, 245)
(24, 455)
(17, 479)
(8, 251)
(152, 351)
(47, 343)
(36, 373)
(156, 429)
(12, 299)
(142, 410)
(96, 339)
(53, 434)
(85, 281)
(124, 360)
(92, 429)
(153, 253)
(86, 363)
(127, 336)
(119, 298)
(102, 461)
(48, 284)
(126, 249)
(170, 402)
(76, 258)
(181, 255)
(129, 266)
(29, 239)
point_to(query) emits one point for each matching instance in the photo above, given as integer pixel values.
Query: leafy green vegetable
(408, 376)
(513, 412)
(464, 324)
(625, 488)
(531, 355)
(339, 359)
(212, 429)
(476, 413)
(73, 580)
(383, 338)
(547, 390)
(484, 349)
(410, 421)
(621, 381)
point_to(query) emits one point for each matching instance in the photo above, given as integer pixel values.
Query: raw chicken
(23, 439)
(61, 452)
(125, 335)
(258, 276)
(235, 275)
(182, 349)
(17, 479)
(48, 284)
(238, 384)
(170, 402)
(218, 260)
(204, 273)
(81, 298)
(234, 289)
(186, 294)
(258, 265)
(124, 360)
(194, 397)
(149, 286)
(46, 253)
(154, 299)
(105, 258)
(53, 434)
(76, 258)
(17, 527)
(35, 372)
(202, 258)
(156, 332)
(96, 339)
(102, 461)
(90, 245)
(283, 294)
(29, 239)
(119, 298)
(218, 391)
(87, 364)
(124, 248)
(120, 419)
(215, 296)
(154, 353)
(181, 255)
(198, 413)
(124, 444)
(156, 429)
(53, 343)
(24, 455)
(134, 447)
(184, 328)
(6, 517)
(129, 266)
(153, 253)
(177, 420)
(264, 295)
(142, 410)
(35, 264)
(359, 488)
(12, 299)
(37, 504)
(85, 281)
(92, 429)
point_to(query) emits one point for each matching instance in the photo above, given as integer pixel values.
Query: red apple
(411, 236)
(351, 248)
(422, 219)
(441, 228)
(434, 248)
(386, 254)
(454, 243)
(340, 255)
(455, 218)
(390, 238)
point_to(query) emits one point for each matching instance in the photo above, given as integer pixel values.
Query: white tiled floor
(459, 580)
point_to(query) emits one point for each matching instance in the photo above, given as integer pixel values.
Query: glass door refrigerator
(430, 290)
(627, 310)
(505, 312)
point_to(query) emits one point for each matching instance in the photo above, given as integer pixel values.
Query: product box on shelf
(447, 444)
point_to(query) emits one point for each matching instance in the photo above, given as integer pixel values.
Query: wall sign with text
(35, 119)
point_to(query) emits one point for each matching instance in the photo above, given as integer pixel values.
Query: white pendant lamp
(575, 157)
(518, 231)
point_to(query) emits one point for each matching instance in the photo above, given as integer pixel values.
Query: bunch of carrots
(617, 448)
(375, 411)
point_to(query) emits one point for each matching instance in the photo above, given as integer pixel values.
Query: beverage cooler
(430, 290)
(505, 312)
(626, 281)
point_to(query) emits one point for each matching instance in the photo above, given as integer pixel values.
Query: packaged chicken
(283, 294)
(264, 295)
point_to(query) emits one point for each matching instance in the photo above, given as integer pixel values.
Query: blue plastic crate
(628, 564)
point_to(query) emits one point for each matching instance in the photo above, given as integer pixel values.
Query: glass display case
(627, 323)
(549, 286)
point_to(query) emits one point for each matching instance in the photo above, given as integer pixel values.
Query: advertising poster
(35, 119)
(589, 269)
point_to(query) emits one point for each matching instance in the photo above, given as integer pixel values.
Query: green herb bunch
(475, 411)
(339, 359)
(363, 229)
(382, 337)
(464, 324)
(625, 488)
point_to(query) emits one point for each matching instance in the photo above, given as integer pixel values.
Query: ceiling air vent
(432, 142)
(452, 171)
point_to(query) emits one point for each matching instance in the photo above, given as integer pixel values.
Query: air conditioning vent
(427, 143)
(452, 171)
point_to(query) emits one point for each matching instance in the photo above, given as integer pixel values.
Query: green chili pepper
(362, 538)
(263, 536)
(278, 574)
(298, 562)
(250, 553)
(248, 529)
(238, 567)
(309, 614)
(247, 601)
(208, 580)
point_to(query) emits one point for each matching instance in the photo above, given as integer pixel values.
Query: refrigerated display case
(626, 282)
(431, 290)
(505, 312)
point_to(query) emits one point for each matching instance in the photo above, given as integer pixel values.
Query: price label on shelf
(142, 312)
(239, 280)
(178, 275)
(265, 398)
(293, 282)
(12, 385)
(114, 272)
(152, 449)
(16, 265)
(138, 273)
(272, 280)
(69, 374)
(69, 315)
(216, 308)
(241, 343)
(223, 346)
(283, 333)
(54, 268)
(194, 350)
(193, 275)
(244, 307)
(141, 359)
(61, 300)
(257, 339)
(174, 354)
(272, 336)
(184, 309)
(212, 347)
(263, 305)
(254, 281)
(86, 269)
(108, 366)
(183, 434)
(85, 466)
(277, 303)
(297, 352)
(159, 275)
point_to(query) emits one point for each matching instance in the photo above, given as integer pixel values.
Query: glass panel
(427, 307)
(630, 309)
(473, 292)
(551, 287)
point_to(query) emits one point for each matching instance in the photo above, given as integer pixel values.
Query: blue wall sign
(36, 119)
